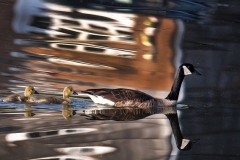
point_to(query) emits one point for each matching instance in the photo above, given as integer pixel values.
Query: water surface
(133, 44)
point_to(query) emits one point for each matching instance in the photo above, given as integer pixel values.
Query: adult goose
(26, 97)
(67, 91)
(122, 97)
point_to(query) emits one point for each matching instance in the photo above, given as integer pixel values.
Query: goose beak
(197, 73)
(75, 93)
(35, 92)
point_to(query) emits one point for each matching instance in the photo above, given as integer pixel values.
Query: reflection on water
(94, 137)
(61, 42)
(28, 110)
(129, 114)
(124, 114)
(50, 44)
(67, 112)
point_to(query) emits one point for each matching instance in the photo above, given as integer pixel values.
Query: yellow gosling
(26, 97)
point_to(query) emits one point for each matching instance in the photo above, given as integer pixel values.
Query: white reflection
(16, 81)
(18, 54)
(78, 63)
(27, 10)
(87, 151)
(126, 19)
(16, 69)
(66, 157)
(12, 137)
(93, 49)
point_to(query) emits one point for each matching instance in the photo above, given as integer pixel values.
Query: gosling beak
(35, 92)
(75, 93)
(197, 73)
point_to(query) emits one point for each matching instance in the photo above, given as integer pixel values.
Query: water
(133, 44)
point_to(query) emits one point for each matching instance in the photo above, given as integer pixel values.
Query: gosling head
(187, 144)
(29, 90)
(189, 69)
(68, 91)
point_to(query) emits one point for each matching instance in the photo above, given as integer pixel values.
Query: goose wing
(119, 97)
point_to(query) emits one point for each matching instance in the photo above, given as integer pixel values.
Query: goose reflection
(68, 112)
(28, 110)
(131, 114)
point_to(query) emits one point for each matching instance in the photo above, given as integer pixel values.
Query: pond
(132, 44)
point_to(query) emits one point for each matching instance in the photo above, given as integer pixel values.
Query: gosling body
(26, 97)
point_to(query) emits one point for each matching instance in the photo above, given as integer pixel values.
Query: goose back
(121, 97)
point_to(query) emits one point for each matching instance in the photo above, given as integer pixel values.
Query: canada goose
(122, 97)
(67, 91)
(29, 90)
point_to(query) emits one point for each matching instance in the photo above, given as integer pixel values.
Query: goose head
(188, 69)
(187, 144)
(29, 90)
(68, 91)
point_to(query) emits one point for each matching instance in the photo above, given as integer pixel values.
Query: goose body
(67, 91)
(26, 97)
(123, 97)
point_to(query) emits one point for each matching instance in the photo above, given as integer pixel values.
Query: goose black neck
(173, 119)
(173, 95)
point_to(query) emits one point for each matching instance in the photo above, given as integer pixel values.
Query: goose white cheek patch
(184, 143)
(186, 71)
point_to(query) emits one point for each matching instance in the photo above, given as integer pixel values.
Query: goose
(26, 97)
(122, 97)
(67, 91)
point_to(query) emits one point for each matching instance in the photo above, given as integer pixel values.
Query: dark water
(138, 44)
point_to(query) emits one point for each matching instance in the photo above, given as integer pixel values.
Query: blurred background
(136, 44)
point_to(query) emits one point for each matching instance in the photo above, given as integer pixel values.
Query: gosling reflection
(26, 97)
(67, 112)
(130, 114)
(67, 91)
(28, 110)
